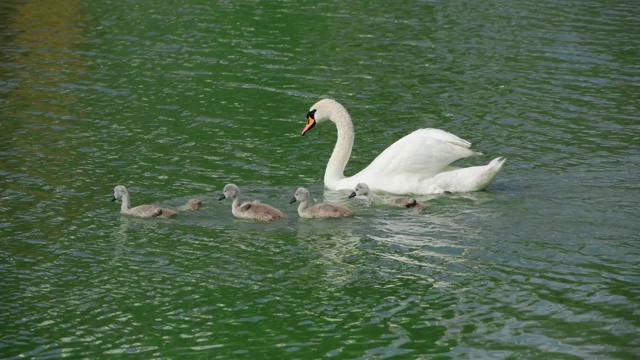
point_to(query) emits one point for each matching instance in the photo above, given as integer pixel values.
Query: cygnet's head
(301, 195)
(320, 112)
(230, 191)
(194, 204)
(118, 192)
(361, 189)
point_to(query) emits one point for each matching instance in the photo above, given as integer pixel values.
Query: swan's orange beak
(311, 122)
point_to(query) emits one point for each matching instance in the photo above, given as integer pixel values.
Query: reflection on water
(389, 241)
(176, 100)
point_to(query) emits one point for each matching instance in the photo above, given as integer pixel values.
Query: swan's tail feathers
(477, 153)
(497, 162)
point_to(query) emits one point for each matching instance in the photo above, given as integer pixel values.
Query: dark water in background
(176, 98)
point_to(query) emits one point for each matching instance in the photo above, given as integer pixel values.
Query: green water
(174, 99)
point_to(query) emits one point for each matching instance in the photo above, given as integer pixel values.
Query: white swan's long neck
(342, 151)
(126, 203)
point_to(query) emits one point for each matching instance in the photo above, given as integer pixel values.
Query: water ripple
(176, 101)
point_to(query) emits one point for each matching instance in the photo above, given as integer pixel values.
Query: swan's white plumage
(424, 151)
(417, 163)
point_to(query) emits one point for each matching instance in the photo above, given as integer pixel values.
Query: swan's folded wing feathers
(426, 152)
(444, 136)
(473, 177)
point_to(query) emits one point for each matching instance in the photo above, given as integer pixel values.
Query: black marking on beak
(222, 197)
(292, 200)
(311, 121)
(352, 195)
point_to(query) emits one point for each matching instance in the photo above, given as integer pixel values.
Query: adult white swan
(418, 163)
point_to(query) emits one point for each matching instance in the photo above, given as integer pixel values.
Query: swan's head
(361, 189)
(230, 191)
(301, 195)
(319, 112)
(118, 192)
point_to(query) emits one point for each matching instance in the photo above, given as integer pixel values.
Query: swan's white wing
(467, 179)
(424, 152)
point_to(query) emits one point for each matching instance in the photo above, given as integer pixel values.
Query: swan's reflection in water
(389, 241)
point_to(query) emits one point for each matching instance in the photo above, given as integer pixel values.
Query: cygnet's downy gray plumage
(192, 204)
(249, 210)
(411, 203)
(322, 210)
(145, 211)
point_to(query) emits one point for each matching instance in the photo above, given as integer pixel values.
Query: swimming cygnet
(363, 189)
(146, 211)
(250, 210)
(192, 204)
(322, 210)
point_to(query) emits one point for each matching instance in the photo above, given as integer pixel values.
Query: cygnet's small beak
(352, 195)
(113, 199)
(222, 197)
(292, 200)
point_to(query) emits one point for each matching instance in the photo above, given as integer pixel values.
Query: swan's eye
(311, 114)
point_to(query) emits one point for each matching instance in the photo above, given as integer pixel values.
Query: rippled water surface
(174, 99)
